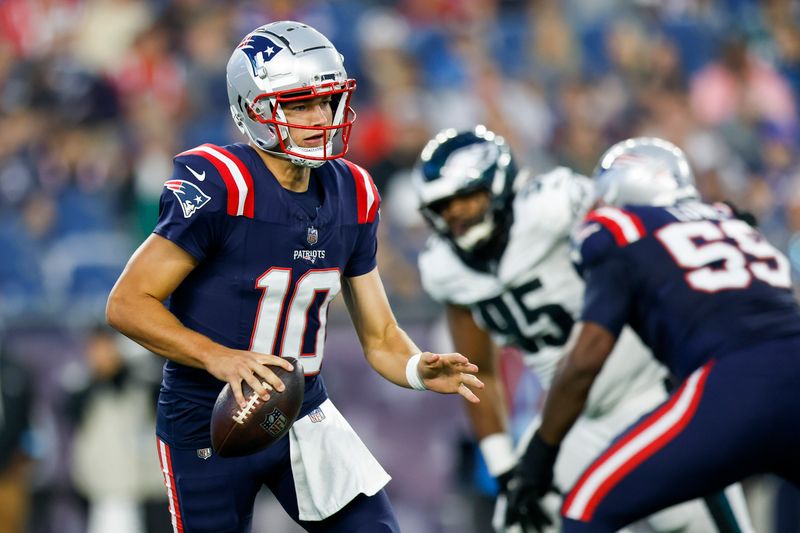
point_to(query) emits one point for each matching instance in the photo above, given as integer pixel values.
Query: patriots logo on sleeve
(189, 195)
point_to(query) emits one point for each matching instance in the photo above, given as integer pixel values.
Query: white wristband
(412, 373)
(498, 453)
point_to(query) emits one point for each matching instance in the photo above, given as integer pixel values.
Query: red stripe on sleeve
(617, 221)
(248, 179)
(361, 191)
(638, 223)
(373, 210)
(610, 225)
(227, 177)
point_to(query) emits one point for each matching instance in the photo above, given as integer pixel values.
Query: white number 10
(276, 286)
(737, 269)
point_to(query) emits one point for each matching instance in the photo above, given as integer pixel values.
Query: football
(237, 431)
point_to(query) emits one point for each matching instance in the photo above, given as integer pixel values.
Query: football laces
(242, 414)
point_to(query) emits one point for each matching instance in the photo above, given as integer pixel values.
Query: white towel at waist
(330, 464)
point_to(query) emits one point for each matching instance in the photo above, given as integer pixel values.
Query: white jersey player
(500, 263)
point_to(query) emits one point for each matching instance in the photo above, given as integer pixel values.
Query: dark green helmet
(456, 163)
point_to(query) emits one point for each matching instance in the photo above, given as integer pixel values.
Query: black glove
(531, 479)
(503, 480)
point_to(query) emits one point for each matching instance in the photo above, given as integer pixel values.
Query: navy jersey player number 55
(713, 300)
(726, 269)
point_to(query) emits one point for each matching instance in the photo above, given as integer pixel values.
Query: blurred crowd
(96, 96)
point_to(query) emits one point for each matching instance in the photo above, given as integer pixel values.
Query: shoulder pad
(367, 198)
(604, 230)
(528, 182)
(575, 188)
(218, 164)
(550, 204)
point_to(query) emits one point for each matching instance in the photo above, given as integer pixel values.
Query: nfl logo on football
(275, 422)
(312, 236)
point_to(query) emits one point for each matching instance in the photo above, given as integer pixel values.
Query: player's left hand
(532, 479)
(449, 373)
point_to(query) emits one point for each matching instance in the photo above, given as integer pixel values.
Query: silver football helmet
(644, 171)
(286, 62)
(454, 163)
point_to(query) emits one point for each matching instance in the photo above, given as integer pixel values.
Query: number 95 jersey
(268, 268)
(533, 295)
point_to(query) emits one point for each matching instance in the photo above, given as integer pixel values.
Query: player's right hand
(235, 366)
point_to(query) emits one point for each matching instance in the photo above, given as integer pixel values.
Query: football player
(252, 243)
(500, 263)
(713, 300)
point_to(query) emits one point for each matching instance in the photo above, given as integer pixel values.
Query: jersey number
(715, 264)
(303, 319)
(531, 329)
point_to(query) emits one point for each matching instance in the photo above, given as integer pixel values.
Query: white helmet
(644, 171)
(286, 62)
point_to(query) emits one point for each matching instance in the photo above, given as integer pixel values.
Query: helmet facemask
(268, 109)
(480, 226)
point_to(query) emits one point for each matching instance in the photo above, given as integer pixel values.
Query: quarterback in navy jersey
(713, 300)
(252, 243)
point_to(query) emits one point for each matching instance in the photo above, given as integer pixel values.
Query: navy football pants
(216, 495)
(732, 418)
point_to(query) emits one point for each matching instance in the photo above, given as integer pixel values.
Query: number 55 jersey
(269, 264)
(693, 281)
(532, 295)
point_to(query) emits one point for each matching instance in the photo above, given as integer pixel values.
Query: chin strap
(294, 159)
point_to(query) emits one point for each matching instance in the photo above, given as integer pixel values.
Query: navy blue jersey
(693, 281)
(268, 267)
